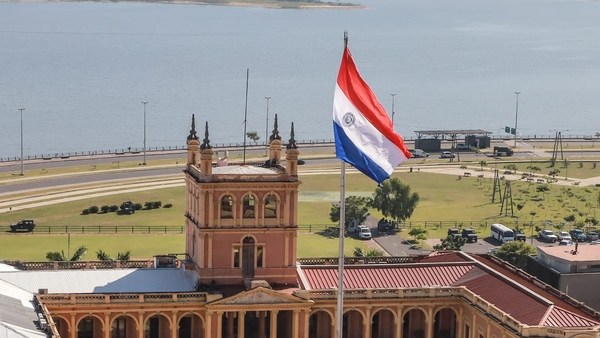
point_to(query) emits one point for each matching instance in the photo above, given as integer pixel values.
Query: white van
(416, 153)
(364, 232)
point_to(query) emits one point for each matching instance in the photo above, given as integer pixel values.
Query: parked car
(548, 236)
(502, 151)
(563, 235)
(470, 235)
(385, 225)
(578, 235)
(592, 236)
(454, 232)
(447, 154)
(565, 242)
(23, 225)
(519, 235)
(364, 232)
(417, 153)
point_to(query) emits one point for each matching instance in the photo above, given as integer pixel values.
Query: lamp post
(393, 103)
(144, 103)
(516, 117)
(21, 110)
(267, 127)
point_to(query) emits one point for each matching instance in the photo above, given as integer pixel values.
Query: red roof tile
(562, 318)
(388, 276)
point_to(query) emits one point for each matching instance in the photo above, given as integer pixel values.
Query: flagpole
(246, 113)
(340, 296)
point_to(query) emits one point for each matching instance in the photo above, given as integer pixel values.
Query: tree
(516, 252)
(356, 209)
(253, 135)
(60, 256)
(124, 256)
(511, 167)
(554, 172)
(359, 252)
(451, 242)
(533, 168)
(394, 199)
(102, 256)
(418, 233)
(121, 256)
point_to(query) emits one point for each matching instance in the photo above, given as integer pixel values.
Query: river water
(81, 70)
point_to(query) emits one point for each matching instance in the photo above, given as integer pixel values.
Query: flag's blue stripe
(347, 151)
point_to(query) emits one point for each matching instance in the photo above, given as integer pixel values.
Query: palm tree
(55, 256)
(103, 256)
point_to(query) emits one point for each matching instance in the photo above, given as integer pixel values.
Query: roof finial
(345, 39)
(275, 134)
(292, 141)
(192, 135)
(206, 141)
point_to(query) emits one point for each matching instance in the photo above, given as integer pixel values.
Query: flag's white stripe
(365, 136)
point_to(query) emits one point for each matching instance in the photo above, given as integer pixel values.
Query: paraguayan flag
(364, 134)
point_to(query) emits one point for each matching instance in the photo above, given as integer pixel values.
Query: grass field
(443, 198)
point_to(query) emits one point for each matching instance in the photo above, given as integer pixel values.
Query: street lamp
(267, 127)
(145, 103)
(393, 112)
(21, 110)
(516, 117)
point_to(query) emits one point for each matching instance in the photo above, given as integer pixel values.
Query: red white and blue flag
(364, 134)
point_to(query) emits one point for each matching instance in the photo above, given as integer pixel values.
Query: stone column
(208, 324)
(367, 323)
(429, 321)
(399, 321)
(261, 324)
(174, 324)
(230, 317)
(273, 316)
(241, 322)
(106, 326)
(140, 325)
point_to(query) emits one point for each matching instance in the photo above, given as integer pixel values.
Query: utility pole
(516, 118)
(267, 127)
(145, 103)
(22, 167)
(393, 112)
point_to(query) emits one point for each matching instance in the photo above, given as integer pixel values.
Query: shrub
(168, 205)
(104, 209)
(85, 212)
(137, 206)
(93, 209)
(152, 205)
(113, 208)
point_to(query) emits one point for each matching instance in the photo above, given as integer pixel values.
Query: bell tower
(241, 220)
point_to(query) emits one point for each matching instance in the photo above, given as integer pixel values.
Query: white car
(447, 154)
(364, 232)
(548, 236)
(563, 235)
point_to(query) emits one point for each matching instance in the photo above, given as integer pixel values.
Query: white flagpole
(340, 296)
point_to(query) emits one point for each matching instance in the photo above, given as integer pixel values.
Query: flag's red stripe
(359, 93)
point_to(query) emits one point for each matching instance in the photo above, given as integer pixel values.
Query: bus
(502, 233)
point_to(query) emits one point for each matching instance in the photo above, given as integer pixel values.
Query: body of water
(81, 70)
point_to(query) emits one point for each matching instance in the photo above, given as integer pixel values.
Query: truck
(503, 151)
(23, 225)
(469, 234)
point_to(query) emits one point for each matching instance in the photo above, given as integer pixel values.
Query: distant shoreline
(274, 5)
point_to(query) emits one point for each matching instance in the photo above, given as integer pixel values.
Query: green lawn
(443, 198)
(30, 247)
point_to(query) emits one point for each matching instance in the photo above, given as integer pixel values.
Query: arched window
(227, 207)
(271, 206)
(249, 205)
